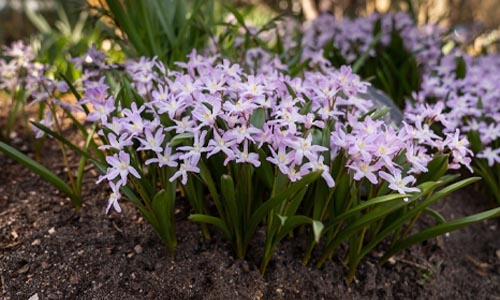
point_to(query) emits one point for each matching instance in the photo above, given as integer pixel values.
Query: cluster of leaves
(166, 29)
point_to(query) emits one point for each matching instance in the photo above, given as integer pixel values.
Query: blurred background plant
(166, 29)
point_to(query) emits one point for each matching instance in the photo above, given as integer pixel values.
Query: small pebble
(138, 249)
(24, 269)
(245, 267)
(498, 253)
(52, 230)
(45, 265)
(73, 279)
(34, 297)
(36, 242)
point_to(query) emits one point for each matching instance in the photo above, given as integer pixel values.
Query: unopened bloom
(114, 197)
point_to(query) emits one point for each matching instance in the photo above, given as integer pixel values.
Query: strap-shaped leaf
(234, 216)
(218, 222)
(398, 223)
(264, 209)
(38, 169)
(164, 208)
(440, 229)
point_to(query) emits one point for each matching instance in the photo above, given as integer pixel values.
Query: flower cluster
(279, 146)
(251, 118)
(469, 103)
(353, 37)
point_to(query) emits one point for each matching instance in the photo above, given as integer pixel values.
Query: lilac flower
(134, 122)
(152, 142)
(493, 156)
(245, 156)
(95, 92)
(185, 167)
(193, 153)
(281, 159)
(366, 170)
(102, 111)
(458, 145)
(119, 166)
(160, 94)
(165, 158)
(318, 165)
(399, 183)
(418, 158)
(172, 105)
(47, 121)
(114, 197)
(303, 147)
(205, 115)
(242, 132)
(124, 140)
(362, 146)
(186, 124)
(220, 143)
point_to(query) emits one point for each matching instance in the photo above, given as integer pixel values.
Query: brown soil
(48, 250)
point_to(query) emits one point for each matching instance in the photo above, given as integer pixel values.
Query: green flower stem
(66, 162)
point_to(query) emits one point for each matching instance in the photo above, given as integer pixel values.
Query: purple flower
(185, 167)
(398, 183)
(119, 166)
(152, 142)
(303, 147)
(123, 141)
(102, 111)
(363, 169)
(492, 155)
(114, 197)
(281, 159)
(318, 165)
(165, 158)
(220, 143)
(193, 153)
(245, 156)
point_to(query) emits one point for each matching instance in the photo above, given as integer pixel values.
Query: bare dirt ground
(48, 250)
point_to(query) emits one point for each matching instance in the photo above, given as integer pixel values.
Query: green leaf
(164, 209)
(356, 209)
(62, 139)
(180, 138)
(437, 230)
(258, 118)
(427, 190)
(437, 216)
(217, 222)
(233, 213)
(263, 210)
(265, 170)
(461, 69)
(437, 167)
(40, 170)
(358, 64)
